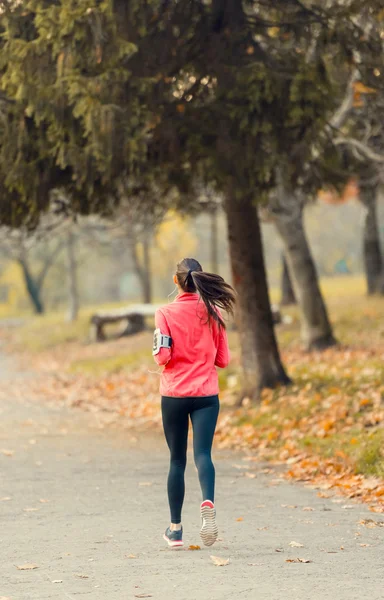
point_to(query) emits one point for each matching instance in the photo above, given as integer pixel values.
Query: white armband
(160, 341)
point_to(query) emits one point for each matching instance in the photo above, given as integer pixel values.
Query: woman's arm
(164, 355)
(222, 355)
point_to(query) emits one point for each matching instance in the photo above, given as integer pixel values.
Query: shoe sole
(209, 531)
(173, 544)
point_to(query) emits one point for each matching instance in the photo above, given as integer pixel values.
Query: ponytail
(213, 290)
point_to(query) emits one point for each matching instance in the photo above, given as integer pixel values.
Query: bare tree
(18, 245)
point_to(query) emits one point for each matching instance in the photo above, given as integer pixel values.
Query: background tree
(18, 245)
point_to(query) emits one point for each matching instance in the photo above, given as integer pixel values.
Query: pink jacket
(197, 348)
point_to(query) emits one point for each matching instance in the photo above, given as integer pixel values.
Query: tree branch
(362, 148)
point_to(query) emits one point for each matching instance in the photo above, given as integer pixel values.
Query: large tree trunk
(373, 260)
(288, 217)
(262, 366)
(32, 288)
(73, 291)
(287, 294)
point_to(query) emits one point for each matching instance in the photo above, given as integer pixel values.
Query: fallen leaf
(288, 506)
(5, 499)
(341, 547)
(145, 483)
(192, 547)
(250, 475)
(7, 452)
(43, 501)
(131, 556)
(219, 562)
(82, 575)
(348, 506)
(240, 519)
(57, 581)
(296, 545)
(27, 567)
(298, 560)
(5, 598)
(31, 509)
(364, 545)
(279, 550)
(308, 508)
(143, 595)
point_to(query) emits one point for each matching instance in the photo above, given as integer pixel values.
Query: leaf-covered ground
(327, 429)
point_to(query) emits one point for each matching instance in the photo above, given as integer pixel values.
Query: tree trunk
(31, 287)
(287, 293)
(373, 260)
(73, 291)
(214, 240)
(288, 217)
(262, 367)
(142, 268)
(146, 268)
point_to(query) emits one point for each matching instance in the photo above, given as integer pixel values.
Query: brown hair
(213, 290)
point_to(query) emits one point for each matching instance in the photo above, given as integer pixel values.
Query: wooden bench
(135, 317)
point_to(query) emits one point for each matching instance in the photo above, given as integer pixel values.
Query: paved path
(79, 501)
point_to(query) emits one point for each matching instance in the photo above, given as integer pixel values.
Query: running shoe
(209, 530)
(174, 538)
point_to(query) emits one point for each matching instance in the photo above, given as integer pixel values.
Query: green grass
(364, 448)
(111, 364)
(50, 330)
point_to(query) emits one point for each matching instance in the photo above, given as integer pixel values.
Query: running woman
(190, 342)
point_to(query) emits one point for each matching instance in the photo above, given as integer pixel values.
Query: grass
(110, 364)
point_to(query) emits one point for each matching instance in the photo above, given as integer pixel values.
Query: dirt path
(78, 501)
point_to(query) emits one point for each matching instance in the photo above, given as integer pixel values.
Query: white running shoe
(209, 530)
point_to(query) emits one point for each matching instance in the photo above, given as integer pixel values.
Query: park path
(88, 507)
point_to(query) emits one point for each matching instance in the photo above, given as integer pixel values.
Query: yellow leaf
(194, 547)
(361, 88)
(240, 519)
(273, 31)
(27, 567)
(8, 452)
(180, 108)
(219, 562)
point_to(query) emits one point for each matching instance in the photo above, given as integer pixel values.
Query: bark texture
(373, 259)
(287, 212)
(262, 366)
(32, 287)
(142, 267)
(214, 215)
(73, 289)
(287, 293)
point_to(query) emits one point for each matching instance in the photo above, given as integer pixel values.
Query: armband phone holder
(160, 341)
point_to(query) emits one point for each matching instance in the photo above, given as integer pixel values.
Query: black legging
(204, 413)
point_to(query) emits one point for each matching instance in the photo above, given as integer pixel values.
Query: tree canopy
(171, 93)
